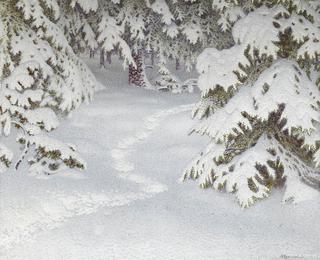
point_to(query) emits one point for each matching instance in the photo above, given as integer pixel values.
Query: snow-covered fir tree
(134, 29)
(260, 102)
(75, 21)
(198, 28)
(259, 77)
(134, 15)
(41, 80)
(194, 25)
(111, 32)
(121, 30)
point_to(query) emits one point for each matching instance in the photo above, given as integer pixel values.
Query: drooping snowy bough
(41, 79)
(260, 103)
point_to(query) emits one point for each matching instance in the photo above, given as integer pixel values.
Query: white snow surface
(129, 203)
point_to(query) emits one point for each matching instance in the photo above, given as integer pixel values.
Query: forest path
(125, 147)
(129, 203)
(106, 133)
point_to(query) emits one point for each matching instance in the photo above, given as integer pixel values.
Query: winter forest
(159, 129)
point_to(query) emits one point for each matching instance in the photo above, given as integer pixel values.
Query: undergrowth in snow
(129, 203)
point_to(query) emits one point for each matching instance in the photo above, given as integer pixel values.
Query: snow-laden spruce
(260, 104)
(111, 36)
(138, 29)
(41, 80)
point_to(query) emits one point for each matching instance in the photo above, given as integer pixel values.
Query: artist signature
(290, 257)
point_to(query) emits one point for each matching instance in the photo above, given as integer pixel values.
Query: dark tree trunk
(109, 57)
(177, 64)
(102, 60)
(152, 57)
(137, 74)
(91, 53)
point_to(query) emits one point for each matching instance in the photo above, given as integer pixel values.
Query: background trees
(259, 79)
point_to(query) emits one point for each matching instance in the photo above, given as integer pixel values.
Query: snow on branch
(50, 155)
(283, 83)
(110, 36)
(86, 5)
(161, 7)
(252, 174)
(5, 158)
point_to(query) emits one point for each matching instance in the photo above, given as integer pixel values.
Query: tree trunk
(102, 61)
(152, 57)
(91, 53)
(137, 75)
(177, 64)
(109, 56)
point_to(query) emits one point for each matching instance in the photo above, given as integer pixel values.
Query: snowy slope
(129, 204)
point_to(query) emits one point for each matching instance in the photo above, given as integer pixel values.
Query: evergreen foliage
(259, 70)
(41, 80)
(260, 102)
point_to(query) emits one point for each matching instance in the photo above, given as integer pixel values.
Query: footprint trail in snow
(66, 205)
(120, 155)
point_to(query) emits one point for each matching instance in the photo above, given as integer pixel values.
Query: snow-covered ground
(129, 204)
